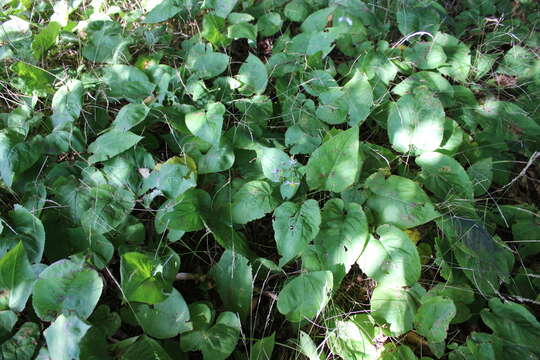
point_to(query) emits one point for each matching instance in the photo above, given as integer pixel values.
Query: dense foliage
(269, 179)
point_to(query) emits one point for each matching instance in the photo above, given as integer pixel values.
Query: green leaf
(205, 63)
(458, 57)
(318, 82)
(402, 352)
(295, 226)
(22, 345)
(218, 158)
(307, 347)
(296, 10)
(67, 103)
(242, 30)
(391, 258)
(144, 348)
(8, 319)
(147, 279)
(184, 212)
(396, 306)
(25, 227)
(32, 80)
(461, 295)
(470, 242)
(222, 8)
(45, 39)
(64, 337)
(317, 20)
(207, 124)
(16, 277)
(275, 163)
(165, 319)
(253, 76)
(419, 18)
(112, 143)
(263, 348)
(129, 116)
(173, 178)
(354, 339)
(269, 24)
(398, 201)
(234, 282)
(66, 287)
(425, 55)
(444, 176)
(105, 321)
(481, 175)
(252, 201)
(293, 302)
(426, 80)
(434, 317)
(163, 11)
(127, 82)
(416, 123)
(106, 43)
(213, 30)
(217, 342)
(515, 325)
(343, 235)
(359, 97)
(335, 164)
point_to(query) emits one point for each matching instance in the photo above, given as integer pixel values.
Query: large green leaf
(22, 345)
(390, 258)
(216, 342)
(425, 55)
(252, 201)
(457, 54)
(207, 124)
(263, 348)
(396, 306)
(146, 278)
(105, 42)
(127, 82)
(234, 282)
(25, 227)
(110, 144)
(398, 201)
(293, 302)
(67, 103)
(295, 226)
(205, 63)
(343, 235)
(470, 243)
(16, 277)
(66, 287)
(412, 18)
(164, 10)
(253, 76)
(64, 337)
(335, 164)
(516, 326)
(185, 212)
(165, 319)
(444, 176)
(45, 39)
(32, 80)
(434, 317)
(142, 348)
(355, 338)
(129, 116)
(416, 123)
(359, 97)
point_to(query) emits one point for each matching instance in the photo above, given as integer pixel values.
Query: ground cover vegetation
(245, 179)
